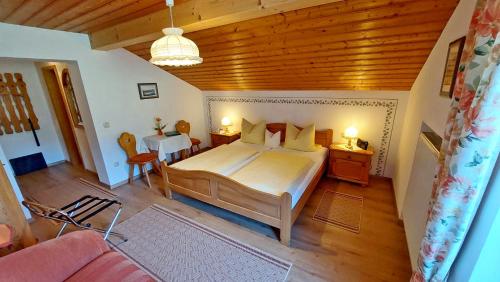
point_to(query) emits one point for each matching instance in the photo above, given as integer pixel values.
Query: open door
(62, 115)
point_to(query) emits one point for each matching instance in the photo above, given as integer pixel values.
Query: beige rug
(341, 210)
(175, 248)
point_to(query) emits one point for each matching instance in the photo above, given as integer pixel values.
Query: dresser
(223, 138)
(350, 165)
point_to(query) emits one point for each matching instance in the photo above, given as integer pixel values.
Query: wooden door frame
(62, 114)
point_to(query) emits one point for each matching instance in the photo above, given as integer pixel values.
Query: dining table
(167, 145)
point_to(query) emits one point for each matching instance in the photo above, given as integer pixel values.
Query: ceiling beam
(193, 15)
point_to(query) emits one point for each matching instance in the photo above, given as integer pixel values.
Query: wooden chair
(128, 144)
(185, 127)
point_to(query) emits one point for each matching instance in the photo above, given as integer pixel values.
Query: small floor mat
(341, 210)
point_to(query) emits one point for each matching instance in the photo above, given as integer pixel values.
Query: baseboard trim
(123, 182)
(57, 163)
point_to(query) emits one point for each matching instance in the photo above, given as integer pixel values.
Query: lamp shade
(351, 132)
(226, 121)
(173, 49)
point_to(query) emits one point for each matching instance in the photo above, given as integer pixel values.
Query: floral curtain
(470, 146)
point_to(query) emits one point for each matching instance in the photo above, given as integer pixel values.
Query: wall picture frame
(148, 90)
(451, 67)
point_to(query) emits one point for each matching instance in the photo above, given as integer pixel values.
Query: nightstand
(350, 165)
(223, 138)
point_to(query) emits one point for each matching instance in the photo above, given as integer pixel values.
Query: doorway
(54, 87)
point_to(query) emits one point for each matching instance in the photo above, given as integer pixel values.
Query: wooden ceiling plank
(137, 9)
(321, 73)
(306, 78)
(75, 11)
(398, 14)
(316, 59)
(315, 69)
(430, 37)
(394, 26)
(7, 7)
(298, 16)
(26, 10)
(288, 75)
(280, 56)
(51, 10)
(193, 15)
(314, 50)
(107, 9)
(377, 62)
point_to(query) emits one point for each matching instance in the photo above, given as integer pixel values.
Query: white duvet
(223, 160)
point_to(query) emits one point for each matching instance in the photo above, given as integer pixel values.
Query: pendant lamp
(173, 49)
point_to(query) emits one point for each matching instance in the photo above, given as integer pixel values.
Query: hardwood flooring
(319, 252)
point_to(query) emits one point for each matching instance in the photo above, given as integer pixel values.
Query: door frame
(62, 113)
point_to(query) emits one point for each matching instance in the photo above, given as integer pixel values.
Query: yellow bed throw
(273, 172)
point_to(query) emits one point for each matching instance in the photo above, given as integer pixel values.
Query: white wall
(425, 104)
(378, 115)
(22, 143)
(109, 80)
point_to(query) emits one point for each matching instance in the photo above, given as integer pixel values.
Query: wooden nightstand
(223, 138)
(350, 165)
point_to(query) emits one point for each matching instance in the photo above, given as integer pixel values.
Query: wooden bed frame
(228, 194)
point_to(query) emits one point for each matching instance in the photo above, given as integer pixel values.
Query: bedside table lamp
(350, 134)
(226, 123)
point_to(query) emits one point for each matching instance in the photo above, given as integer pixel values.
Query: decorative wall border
(390, 106)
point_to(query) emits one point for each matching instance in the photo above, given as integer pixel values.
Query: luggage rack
(78, 213)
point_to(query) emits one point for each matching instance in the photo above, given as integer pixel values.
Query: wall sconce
(226, 123)
(350, 134)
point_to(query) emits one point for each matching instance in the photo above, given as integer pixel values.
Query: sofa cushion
(110, 267)
(53, 260)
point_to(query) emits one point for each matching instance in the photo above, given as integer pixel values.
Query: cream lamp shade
(173, 49)
(350, 133)
(226, 123)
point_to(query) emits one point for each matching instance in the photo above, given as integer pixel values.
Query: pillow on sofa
(273, 140)
(253, 133)
(301, 140)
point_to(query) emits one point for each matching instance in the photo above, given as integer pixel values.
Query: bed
(227, 184)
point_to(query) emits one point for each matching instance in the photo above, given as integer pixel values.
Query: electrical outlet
(106, 124)
(116, 164)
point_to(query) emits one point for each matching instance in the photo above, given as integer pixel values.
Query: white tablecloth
(166, 145)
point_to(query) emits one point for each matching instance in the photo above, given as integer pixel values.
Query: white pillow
(272, 140)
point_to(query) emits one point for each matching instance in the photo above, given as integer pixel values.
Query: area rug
(341, 210)
(175, 248)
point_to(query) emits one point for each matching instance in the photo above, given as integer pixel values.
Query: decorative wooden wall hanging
(16, 109)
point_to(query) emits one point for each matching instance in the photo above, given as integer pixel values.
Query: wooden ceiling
(75, 15)
(352, 44)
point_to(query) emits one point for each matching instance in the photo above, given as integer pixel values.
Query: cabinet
(350, 165)
(223, 138)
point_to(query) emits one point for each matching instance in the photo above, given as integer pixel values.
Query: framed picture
(148, 90)
(71, 99)
(452, 63)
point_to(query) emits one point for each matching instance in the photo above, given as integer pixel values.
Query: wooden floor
(319, 252)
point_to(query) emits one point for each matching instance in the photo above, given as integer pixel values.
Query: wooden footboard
(228, 194)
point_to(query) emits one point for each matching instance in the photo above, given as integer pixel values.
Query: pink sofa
(76, 256)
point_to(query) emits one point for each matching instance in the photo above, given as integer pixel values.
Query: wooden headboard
(322, 137)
